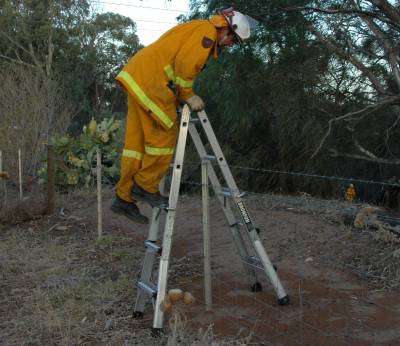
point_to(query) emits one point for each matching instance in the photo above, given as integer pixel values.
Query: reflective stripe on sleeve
(159, 151)
(135, 88)
(176, 79)
(133, 154)
(170, 72)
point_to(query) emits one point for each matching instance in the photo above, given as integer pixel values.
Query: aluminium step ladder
(252, 253)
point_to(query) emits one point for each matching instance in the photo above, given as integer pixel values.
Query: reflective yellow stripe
(133, 154)
(170, 72)
(177, 80)
(184, 83)
(159, 151)
(135, 88)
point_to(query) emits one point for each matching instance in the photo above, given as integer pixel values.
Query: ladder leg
(169, 221)
(148, 262)
(234, 192)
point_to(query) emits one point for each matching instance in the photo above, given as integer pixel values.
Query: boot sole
(152, 204)
(130, 217)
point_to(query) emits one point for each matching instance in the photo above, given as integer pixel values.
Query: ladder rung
(148, 288)
(225, 191)
(194, 120)
(209, 157)
(152, 246)
(237, 223)
(253, 262)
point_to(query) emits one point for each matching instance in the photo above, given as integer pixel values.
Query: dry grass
(63, 286)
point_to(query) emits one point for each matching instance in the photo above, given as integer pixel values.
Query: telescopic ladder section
(252, 252)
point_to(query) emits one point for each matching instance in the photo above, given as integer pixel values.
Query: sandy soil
(337, 278)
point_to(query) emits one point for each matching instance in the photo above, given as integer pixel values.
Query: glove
(195, 103)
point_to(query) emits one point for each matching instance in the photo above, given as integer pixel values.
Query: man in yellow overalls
(156, 79)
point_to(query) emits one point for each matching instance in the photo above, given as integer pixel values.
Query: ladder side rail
(170, 218)
(148, 263)
(149, 257)
(226, 207)
(243, 252)
(258, 246)
(205, 123)
(223, 165)
(201, 150)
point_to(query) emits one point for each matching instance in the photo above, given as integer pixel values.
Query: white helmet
(239, 23)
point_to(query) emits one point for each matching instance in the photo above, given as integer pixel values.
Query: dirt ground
(60, 285)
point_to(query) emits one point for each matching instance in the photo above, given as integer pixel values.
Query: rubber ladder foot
(256, 287)
(284, 301)
(137, 315)
(157, 332)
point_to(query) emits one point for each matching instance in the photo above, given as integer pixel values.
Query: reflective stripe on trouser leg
(133, 152)
(158, 153)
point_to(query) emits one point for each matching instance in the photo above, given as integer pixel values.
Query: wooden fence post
(3, 183)
(50, 179)
(20, 173)
(206, 236)
(99, 199)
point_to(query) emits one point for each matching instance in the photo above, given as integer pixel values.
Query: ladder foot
(284, 301)
(137, 315)
(256, 287)
(157, 332)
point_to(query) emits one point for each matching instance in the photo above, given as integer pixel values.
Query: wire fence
(387, 195)
(321, 311)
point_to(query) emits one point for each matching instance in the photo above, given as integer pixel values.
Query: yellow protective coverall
(176, 58)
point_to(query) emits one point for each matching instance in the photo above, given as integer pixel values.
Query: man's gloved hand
(195, 103)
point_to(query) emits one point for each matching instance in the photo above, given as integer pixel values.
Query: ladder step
(150, 289)
(253, 262)
(152, 246)
(227, 192)
(209, 157)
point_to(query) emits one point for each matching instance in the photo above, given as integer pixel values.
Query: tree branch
(17, 61)
(387, 9)
(391, 52)
(334, 153)
(357, 63)
(369, 108)
(328, 11)
(388, 131)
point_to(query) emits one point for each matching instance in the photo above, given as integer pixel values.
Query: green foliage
(71, 39)
(76, 156)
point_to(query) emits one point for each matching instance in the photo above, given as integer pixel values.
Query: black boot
(128, 209)
(154, 199)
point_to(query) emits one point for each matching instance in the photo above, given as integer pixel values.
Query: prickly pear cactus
(76, 156)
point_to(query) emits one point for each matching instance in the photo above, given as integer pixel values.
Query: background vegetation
(315, 91)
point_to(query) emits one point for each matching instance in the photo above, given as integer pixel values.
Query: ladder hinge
(237, 223)
(227, 192)
(148, 288)
(209, 157)
(152, 246)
